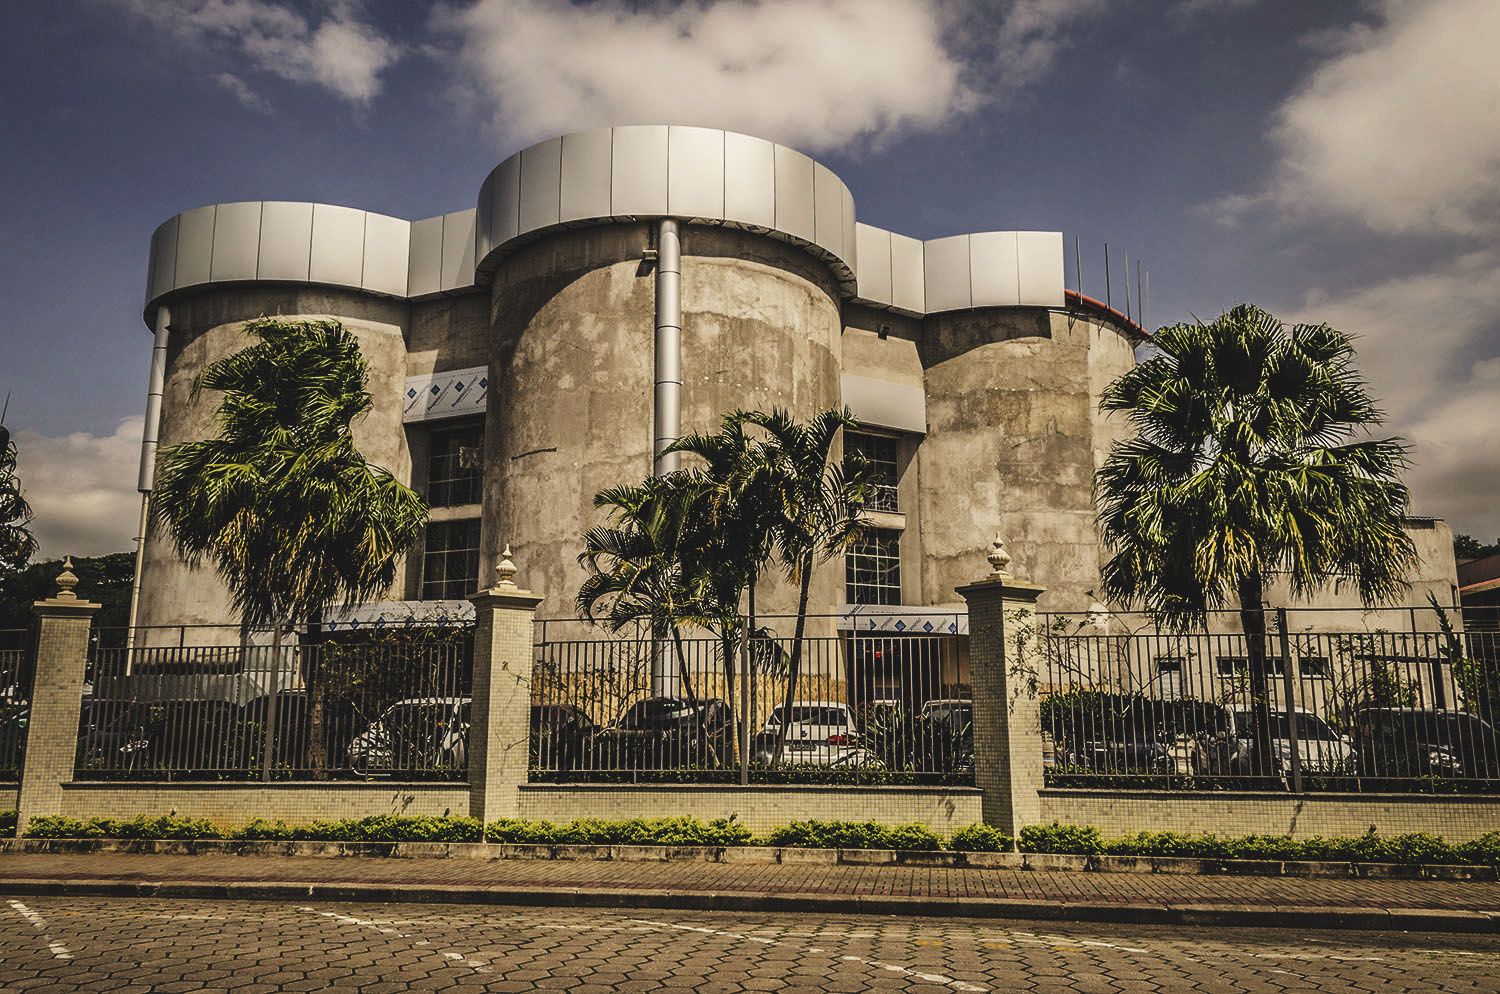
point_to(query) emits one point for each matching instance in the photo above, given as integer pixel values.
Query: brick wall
(8, 795)
(236, 803)
(1116, 813)
(760, 807)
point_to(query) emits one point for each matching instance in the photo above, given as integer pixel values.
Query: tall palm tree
(1252, 457)
(16, 543)
(282, 503)
(817, 511)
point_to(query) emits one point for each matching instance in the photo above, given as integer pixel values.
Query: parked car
(13, 720)
(1411, 742)
(944, 735)
(562, 737)
(666, 733)
(818, 733)
(419, 733)
(180, 735)
(1320, 749)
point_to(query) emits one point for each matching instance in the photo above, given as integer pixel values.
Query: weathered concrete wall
(228, 803)
(571, 378)
(448, 333)
(208, 326)
(1014, 437)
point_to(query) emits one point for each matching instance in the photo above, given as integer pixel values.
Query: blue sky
(1335, 161)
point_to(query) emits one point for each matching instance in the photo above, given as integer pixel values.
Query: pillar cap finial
(505, 570)
(66, 581)
(999, 559)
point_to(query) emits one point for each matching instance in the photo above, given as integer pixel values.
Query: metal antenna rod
(1148, 294)
(1127, 287)
(1077, 265)
(1108, 290)
(1140, 297)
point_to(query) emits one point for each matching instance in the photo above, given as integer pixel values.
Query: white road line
(383, 928)
(931, 978)
(58, 950)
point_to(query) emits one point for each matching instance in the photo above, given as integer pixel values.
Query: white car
(419, 733)
(818, 733)
(1319, 748)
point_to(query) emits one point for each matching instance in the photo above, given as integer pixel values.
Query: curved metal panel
(338, 245)
(505, 215)
(585, 175)
(236, 241)
(946, 271)
(425, 270)
(285, 241)
(387, 254)
(695, 172)
(851, 242)
(994, 280)
(458, 249)
(749, 180)
(828, 211)
(794, 193)
(638, 174)
(874, 269)
(163, 259)
(908, 274)
(484, 215)
(541, 181)
(1039, 262)
(195, 247)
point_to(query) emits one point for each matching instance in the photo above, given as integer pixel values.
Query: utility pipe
(146, 481)
(668, 388)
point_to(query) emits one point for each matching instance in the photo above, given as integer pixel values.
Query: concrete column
(56, 698)
(1004, 668)
(500, 716)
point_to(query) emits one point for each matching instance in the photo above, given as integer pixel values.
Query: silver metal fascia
(667, 393)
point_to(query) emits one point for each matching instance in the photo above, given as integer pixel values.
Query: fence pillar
(62, 650)
(500, 722)
(1005, 674)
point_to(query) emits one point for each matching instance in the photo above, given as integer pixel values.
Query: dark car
(562, 737)
(1410, 742)
(13, 721)
(667, 733)
(944, 736)
(170, 735)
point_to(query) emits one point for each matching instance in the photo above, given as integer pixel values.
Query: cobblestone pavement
(69, 944)
(787, 878)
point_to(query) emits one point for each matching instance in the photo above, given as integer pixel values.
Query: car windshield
(804, 714)
(1441, 729)
(948, 712)
(1309, 726)
(655, 713)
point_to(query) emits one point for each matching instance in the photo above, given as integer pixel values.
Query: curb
(1303, 917)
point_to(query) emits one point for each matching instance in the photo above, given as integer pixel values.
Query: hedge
(1411, 849)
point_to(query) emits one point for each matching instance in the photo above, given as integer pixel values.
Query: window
(1313, 666)
(879, 454)
(872, 568)
(1169, 664)
(1230, 666)
(455, 466)
(450, 561)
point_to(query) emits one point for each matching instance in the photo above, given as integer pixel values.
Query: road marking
(383, 928)
(931, 978)
(58, 950)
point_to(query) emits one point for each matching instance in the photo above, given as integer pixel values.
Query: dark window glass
(872, 568)
(1313, 666)
(1169, 664)
(450, 563)
(1240, 666)
(455, 466)
(879, 455)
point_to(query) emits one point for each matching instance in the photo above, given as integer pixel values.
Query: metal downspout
(146, 481)
(667, 409)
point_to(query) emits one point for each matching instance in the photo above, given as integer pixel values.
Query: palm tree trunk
(317, 746)
(1253, 619)
(687, 688)
(794, 667)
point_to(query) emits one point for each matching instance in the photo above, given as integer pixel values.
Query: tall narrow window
(879, 453)
(872, 568)
(450, 561)
(455, 466)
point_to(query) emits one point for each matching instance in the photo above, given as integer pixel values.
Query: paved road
(69, 944)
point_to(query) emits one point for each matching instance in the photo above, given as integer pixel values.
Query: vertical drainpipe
(146, 482)
(667, 406)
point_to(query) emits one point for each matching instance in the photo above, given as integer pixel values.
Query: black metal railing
(17, 668)
(1314, 704)
(189, 704)
(865, 707)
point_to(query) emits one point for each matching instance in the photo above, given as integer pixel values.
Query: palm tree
(816, 513)
(282, 503)
(1252, 456)
(16, 543)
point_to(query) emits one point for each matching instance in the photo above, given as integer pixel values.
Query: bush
(7, 824)
(1077, 840)
(816, 834)
(981, 838)
(1483, 851)
(140, 827)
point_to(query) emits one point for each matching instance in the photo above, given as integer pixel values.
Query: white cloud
(1397, 129)
(242, 92)
(341, 52)
(1430, 344)
(82, 489)
(817, 74)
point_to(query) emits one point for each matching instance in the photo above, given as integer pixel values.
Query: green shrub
(1077, 840)
(521, 832)
(1483, 851)
(1167, 844)
(981, 838)
(7, 824)
(817, 834)
(261, 830)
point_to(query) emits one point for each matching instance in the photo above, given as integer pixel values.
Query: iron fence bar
(1290, 707)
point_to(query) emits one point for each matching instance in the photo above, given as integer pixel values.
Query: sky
(1333, 161)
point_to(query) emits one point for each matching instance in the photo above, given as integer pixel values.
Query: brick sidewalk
(886, 889)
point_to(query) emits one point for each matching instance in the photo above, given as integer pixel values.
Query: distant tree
(102, 579)
(1251, 456)
(16, 543)
(1467, 547)
(283, 504)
